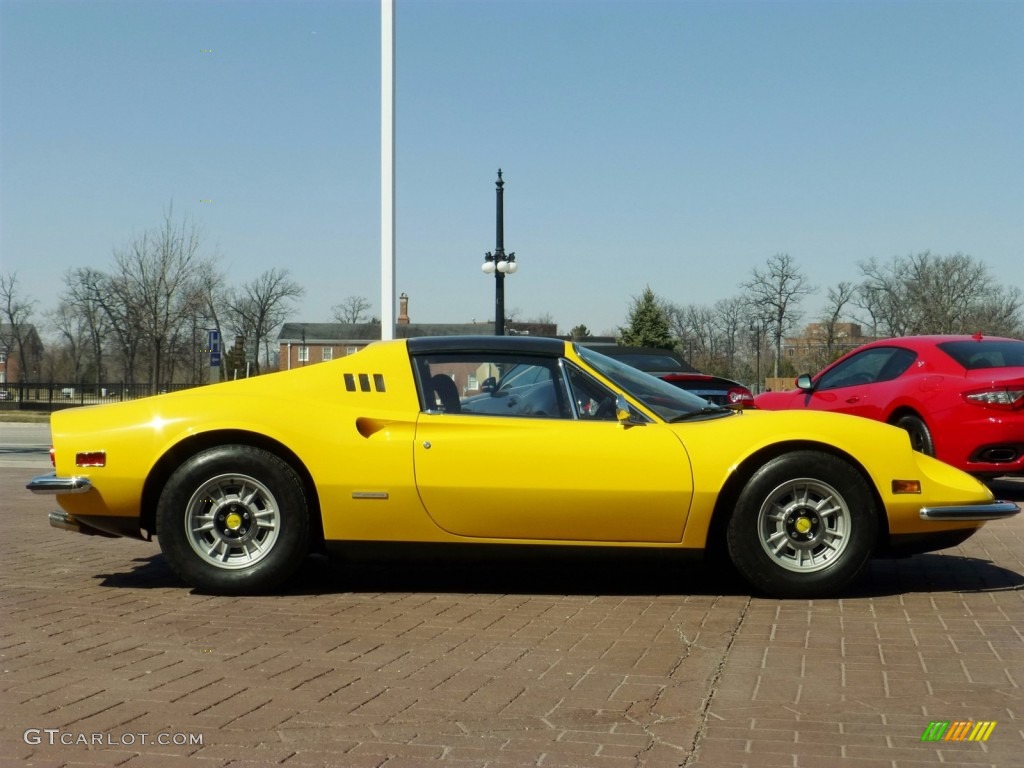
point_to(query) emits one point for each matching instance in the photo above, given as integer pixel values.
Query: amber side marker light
(91, 459)
(906, 486)
(53, 457)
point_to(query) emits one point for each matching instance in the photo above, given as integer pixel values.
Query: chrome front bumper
(65, 522)
(971, 513)
(51, 484)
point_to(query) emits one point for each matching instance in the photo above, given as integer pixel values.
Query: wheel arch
(904, 409)
(165, 466)
(728, 496)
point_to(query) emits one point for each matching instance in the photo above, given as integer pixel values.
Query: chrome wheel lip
(804, 525)
(232, 521)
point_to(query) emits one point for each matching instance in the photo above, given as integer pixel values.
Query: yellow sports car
(501, 440)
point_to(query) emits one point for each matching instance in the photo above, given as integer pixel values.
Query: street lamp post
(498, 263)
(757, 328)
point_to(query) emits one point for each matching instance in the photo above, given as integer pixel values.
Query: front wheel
(233, 520)
(804, 525)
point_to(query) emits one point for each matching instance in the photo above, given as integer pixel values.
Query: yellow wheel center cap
(803, 525)
(233, 521)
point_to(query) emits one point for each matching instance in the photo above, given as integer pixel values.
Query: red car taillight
(1004, 399)
(741, 396)
(91, 459)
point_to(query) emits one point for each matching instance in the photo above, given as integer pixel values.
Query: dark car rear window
(971, 354)
(650, 362)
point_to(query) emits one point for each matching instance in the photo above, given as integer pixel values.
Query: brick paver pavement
(603, 663)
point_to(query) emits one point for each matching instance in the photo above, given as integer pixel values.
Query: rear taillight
(91, 459)
(740, 396)
(1003, 399)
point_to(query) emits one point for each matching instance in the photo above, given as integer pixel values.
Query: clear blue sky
(672, 144)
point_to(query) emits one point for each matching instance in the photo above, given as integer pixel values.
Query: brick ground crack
(709, 697)
(648, 725)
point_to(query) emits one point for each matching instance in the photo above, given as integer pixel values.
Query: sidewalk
(602, 664)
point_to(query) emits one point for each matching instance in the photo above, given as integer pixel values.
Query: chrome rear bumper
(971, 513)
(51, 484)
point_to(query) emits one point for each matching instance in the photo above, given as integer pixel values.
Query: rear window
(997, 353)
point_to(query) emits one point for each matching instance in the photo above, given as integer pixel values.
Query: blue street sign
(214, 347)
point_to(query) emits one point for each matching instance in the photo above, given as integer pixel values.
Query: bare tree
(156, 279)
(1000, 314)
(757, 327)
(712, 338)
(929, 293)
(73, 330)
(261, 305)
(16, 315)
(839, 296)
(215, 296)
(84, 293)
(114, 294)
(694, 326)
(352, 310)
(883, 295)
(730, 319)
(776, 292)
(695, 329)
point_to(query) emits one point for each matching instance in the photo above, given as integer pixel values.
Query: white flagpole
(387, 169)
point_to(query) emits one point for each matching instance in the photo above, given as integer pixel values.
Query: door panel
(860, 400)
(570, 480)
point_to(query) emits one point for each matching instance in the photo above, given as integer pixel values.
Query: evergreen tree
(648, 323)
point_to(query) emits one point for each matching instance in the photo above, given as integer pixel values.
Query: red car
(961, 398)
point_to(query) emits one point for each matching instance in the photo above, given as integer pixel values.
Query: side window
(865, 368)
(492, 385)
(900, 361)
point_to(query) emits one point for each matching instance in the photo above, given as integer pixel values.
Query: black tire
(920, 435)
(804, 526)
(233, 520)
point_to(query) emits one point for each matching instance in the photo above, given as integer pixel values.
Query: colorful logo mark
(958, 730)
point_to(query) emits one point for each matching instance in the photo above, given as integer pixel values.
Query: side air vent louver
(364, 382)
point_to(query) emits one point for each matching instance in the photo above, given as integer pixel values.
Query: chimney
(403, 310)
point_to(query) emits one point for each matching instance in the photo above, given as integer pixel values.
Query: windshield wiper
(705, 411)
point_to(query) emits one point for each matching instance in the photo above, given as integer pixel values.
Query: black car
(667, 365)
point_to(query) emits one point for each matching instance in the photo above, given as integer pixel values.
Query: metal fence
(52, 397)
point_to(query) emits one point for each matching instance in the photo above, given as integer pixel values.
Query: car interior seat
(444, 388)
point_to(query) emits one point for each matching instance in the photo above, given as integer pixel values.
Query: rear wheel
(920, 435)
(804, 525)
(233, 520)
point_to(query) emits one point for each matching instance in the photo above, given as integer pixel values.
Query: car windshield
(986, 353)
(669, 402)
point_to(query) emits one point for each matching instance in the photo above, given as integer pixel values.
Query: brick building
(308, 343)
(12, 368)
